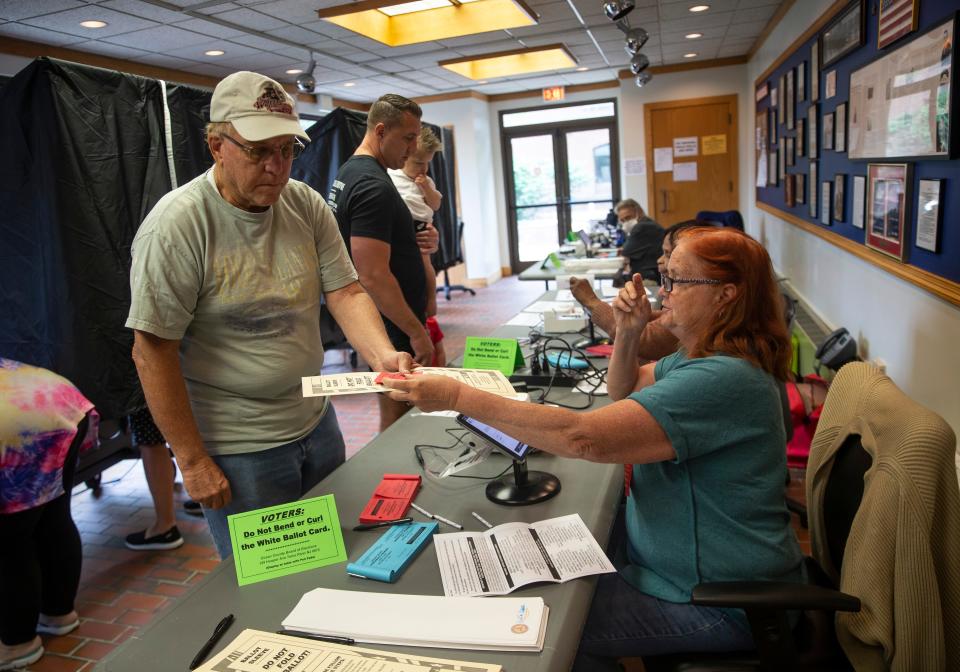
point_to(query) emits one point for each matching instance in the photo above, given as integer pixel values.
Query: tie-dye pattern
(39, 414)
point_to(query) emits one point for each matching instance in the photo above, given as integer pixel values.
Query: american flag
(897, 18)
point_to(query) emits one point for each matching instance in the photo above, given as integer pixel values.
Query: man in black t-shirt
(380, 235)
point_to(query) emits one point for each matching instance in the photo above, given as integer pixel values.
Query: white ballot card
(508, 556)
(255, 650)
(365, 382)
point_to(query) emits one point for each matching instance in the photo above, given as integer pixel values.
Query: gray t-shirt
(241, 291)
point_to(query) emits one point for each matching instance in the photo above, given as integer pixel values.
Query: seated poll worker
(227, 278)
(655, 342)
(704, 431)
(641, 247)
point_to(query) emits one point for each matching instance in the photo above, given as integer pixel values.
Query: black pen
(382, 523)
(221, 628)
(335, 639)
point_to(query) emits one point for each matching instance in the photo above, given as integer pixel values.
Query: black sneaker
(138, 541)
(193, 508)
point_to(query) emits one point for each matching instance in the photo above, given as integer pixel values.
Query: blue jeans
(624, 622)
(276, 475)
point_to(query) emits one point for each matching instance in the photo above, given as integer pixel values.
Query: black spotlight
(639, 63)
(636, 38)
(306, 82)
(617, 9)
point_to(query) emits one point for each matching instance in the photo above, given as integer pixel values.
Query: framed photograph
(773, 127)
(812, 131)
(858, 203)
(887, 216)
(801, 138)
(772, 169)
(781, 98)
(790, 151)
(891, 120)
(839, 195)
(788, 189)
(763, 91)
(812, 182)
(802, 82)
(828, 131)
(840, 128)
(897, 18)
(830, 85)
(800, 188)
(846, 32)
(826, 205)
(790, 101)
(815, 72)
(782, 157)
(929, 195)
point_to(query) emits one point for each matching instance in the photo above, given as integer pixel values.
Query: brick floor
(122, 591)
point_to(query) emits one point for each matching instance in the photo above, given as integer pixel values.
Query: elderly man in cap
(228, 274)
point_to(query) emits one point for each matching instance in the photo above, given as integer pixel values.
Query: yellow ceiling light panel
(515, 62)
(398, 23)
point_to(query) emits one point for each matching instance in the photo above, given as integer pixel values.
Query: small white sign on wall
(636, 166)
(686, 146)
(685, 171)
(662, 159)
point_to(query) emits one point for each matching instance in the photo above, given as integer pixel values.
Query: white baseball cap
(257, 106)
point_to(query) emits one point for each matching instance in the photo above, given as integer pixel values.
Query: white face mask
(627, 225)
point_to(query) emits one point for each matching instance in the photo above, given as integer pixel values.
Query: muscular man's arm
(158, 363)
(371, 257)
(357, 315)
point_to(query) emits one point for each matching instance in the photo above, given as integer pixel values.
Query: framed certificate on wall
(887, 208)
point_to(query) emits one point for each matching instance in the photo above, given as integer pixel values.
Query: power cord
(459, 435)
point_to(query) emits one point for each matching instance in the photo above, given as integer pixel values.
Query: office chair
(731, 218)
(881, 472)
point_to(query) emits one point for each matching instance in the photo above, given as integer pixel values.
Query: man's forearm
(388, 297)
(158, 364)
(358, 317)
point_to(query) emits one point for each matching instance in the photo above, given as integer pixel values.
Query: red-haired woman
(704, 430)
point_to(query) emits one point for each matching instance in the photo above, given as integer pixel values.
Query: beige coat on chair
(902, 557)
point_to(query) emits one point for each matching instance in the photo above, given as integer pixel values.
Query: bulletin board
(880, 125)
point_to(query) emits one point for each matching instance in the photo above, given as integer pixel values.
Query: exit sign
(553, 93)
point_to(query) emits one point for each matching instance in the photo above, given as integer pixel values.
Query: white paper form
(662, 159)
(255, 650)
(508, 556)
(685, 171)
(362, 382)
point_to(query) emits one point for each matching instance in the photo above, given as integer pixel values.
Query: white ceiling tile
(107, 49)
(249, 18)
(677, 10)
(161, 39)
(260, 59)
(145, 10)
(69, 20)
(297, 34)
(744, 4)
(297, 12)
(257, 42)
(166, 61)
(13, 10)
(752, 29)
(754, 14)
(210, 28)
(42, 35)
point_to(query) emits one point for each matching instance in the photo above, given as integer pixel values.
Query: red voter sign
(553, 93)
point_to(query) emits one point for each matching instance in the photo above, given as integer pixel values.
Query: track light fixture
(636, 38)
(306, 82)
(643, 78)
(617, 9)
(623, 25)
(639, 63)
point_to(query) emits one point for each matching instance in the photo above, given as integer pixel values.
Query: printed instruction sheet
(364, 382)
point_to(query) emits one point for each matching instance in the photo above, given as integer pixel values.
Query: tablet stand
(524, 487)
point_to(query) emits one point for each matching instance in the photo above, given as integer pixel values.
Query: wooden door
(703, 174)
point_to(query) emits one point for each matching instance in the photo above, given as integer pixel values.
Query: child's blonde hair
(428, 141)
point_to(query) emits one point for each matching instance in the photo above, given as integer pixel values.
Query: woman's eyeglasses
(667, 282)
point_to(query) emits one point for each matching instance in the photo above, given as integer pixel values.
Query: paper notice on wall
(714, 144)
(635, 166)
(686, 146)
(685, 171)
(762, 169)
(662, 159)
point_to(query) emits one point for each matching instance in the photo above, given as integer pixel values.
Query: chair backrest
(731, 218)
(843, 494)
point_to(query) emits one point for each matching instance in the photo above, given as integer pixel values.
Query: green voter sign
(492, 354)
(286, 539)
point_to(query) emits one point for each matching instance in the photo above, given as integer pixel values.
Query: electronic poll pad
(509, 445)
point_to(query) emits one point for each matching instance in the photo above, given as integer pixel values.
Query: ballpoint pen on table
(336, 639)
(204, 651)
(382, 523)
(436, 517)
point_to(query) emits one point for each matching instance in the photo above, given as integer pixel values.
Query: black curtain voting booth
(86, 160)
(333, 140)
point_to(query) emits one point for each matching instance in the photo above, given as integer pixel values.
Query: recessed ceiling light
(583, 69)
(214, 52)
(699, 8)
(93, 24)
(294, 71)
(482, 82)
(693, 36)
(350, 84)
(690, 55)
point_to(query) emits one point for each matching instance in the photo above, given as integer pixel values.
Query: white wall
(915, 333)
(474, 143)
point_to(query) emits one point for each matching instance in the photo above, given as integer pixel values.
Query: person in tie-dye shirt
(41, 415)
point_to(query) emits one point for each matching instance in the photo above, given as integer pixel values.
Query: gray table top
(592, 490)
(536, 271)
